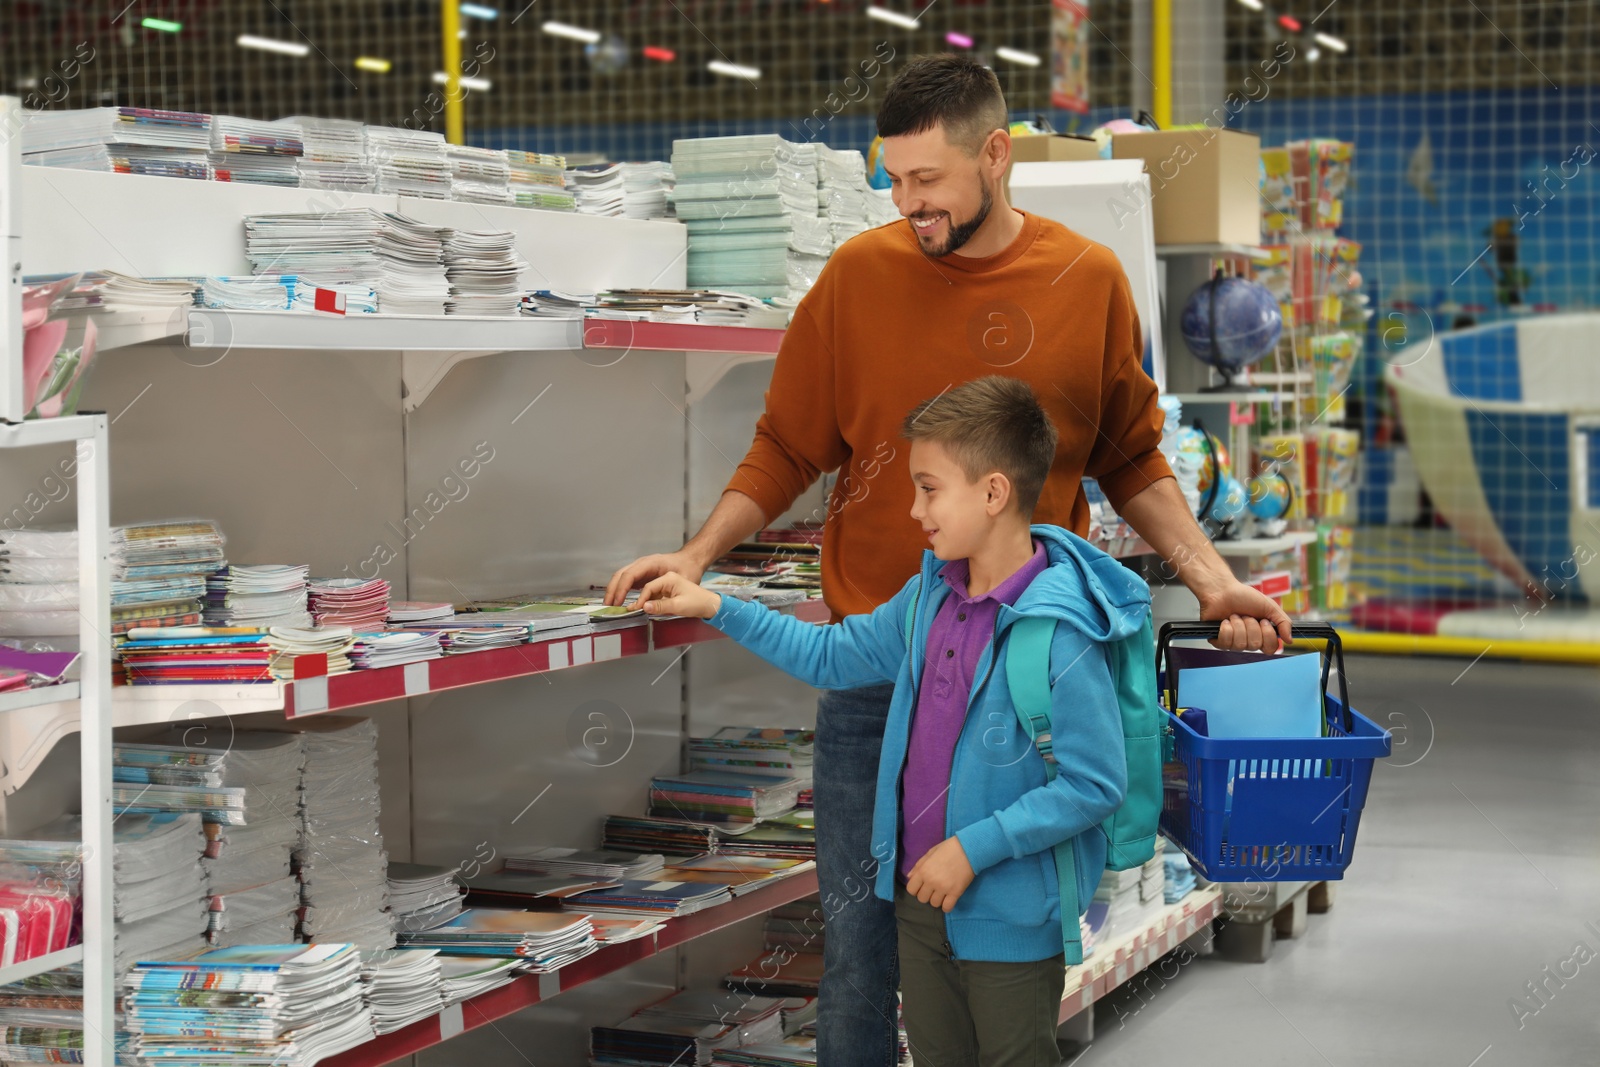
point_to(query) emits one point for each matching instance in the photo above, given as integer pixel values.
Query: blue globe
(1241, 316)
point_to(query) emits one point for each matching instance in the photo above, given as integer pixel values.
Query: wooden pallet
(1249, 931)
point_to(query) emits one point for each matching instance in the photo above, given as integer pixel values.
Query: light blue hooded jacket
(1001, 807)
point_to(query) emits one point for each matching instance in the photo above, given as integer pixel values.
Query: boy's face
(953, 511)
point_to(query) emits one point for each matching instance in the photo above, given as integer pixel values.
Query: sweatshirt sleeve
(861, 650)
(1091, 767)
(1126, 457)
(797, 436)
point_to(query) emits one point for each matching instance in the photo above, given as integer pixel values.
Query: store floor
(1477, 867)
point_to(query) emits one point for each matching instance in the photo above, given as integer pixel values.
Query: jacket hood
(1082, 586)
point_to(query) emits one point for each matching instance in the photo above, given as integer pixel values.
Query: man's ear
(996, 152)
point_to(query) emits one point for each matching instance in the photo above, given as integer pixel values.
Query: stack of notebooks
(589, 863)
(158, 573)
(1152, 877)
(461, 977)
(334, 154)
(796, 927)
(550, 304)
(106, 290)
(341, 862)
(272, 594)
(467, 634)
(408, 162)
(361, 604)
(722, 796)
(740, 873)
(706, 306)
(479, 175)
(400, 259)
(774, 752)
(649, 899)
(687, 1028)
(41, 1020)
(251, 292)
(483, 270)
(401, 986)
(159, 889)
(796, 1051)
(779, 974)
(1179, 876)
(260, 153)
(373, 650)
(596, 188)
(287, 642)
(792, 835)
(537, 180)
(185, 655)
(751, 206)
(850, 204)
(405, 612)
(122, 140)
(252, 895)
(287, 1005)
(420, 897)
(1119, 894)
(644, 189)
(543, 940)
(672, 837)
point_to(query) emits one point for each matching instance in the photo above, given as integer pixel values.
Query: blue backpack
(1130, 831)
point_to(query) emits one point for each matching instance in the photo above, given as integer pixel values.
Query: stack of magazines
(774, 752)
(123, 140)
(408, 162)
(722, 796)
(544, 940)
(264, 595)
(401, 986)
(479, 175)
(261, 153)
(536, 180)
(850, 204)
(341, 862)
(751, 203)
(483, 269)
(687, 1028)
(397, 257)
(287, 1005)
(361, 604)
(596, 188)
(334, 154)
(420, 897)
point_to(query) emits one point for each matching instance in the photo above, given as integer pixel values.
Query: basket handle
(1209, 631)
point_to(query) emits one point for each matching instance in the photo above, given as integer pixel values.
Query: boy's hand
(941, 875)
(673, 594)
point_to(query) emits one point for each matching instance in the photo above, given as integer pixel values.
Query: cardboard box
(1205, 184)
(1048, 148)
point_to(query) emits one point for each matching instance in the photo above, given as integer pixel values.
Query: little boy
(966, 817)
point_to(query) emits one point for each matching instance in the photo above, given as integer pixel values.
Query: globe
(1204, 452)
(1269, 496)
(1230, 323)
(1231, 500)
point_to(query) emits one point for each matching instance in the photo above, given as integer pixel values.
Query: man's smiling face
(938, 187)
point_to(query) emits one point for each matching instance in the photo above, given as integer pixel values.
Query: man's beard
(959, 235)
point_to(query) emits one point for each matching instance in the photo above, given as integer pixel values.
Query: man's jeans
(857, 1007)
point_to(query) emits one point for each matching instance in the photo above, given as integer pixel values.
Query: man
(964, 286)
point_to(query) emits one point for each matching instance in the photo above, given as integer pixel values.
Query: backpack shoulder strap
(1028, 677)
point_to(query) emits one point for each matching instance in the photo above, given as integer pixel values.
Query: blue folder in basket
(1275, 696)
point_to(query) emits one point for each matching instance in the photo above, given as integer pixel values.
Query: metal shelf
(483, 1010)
(1255, 546)
(44, 694)
(1238, 397)
(1218, 249)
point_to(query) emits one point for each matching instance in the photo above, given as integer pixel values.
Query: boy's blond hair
(991, 424)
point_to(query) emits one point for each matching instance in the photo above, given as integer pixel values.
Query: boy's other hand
(673, 594)
(941, 875)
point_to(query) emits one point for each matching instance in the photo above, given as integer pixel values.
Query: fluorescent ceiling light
(164, 25)
(479, 11)
(573, 33)
(1328, 40)
(1027, 59)
(733, 70)
(267, 44)
(374, 64)
(481, 84)
(893, 18)
(960, 40)
(1253, 5)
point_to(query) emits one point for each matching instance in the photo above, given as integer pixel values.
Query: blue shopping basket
(1267, 809)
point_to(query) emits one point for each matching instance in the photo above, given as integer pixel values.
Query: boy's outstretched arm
(861, 650)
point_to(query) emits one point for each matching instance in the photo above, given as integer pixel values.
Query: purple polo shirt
(960, 632)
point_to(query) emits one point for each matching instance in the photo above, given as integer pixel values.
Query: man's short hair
(948, 90)
(991, 424)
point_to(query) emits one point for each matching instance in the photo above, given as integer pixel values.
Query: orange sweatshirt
(886, 327)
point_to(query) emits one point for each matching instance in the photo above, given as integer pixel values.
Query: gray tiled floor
(1477, 866)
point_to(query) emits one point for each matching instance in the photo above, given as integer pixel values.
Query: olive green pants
(971, 1013)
